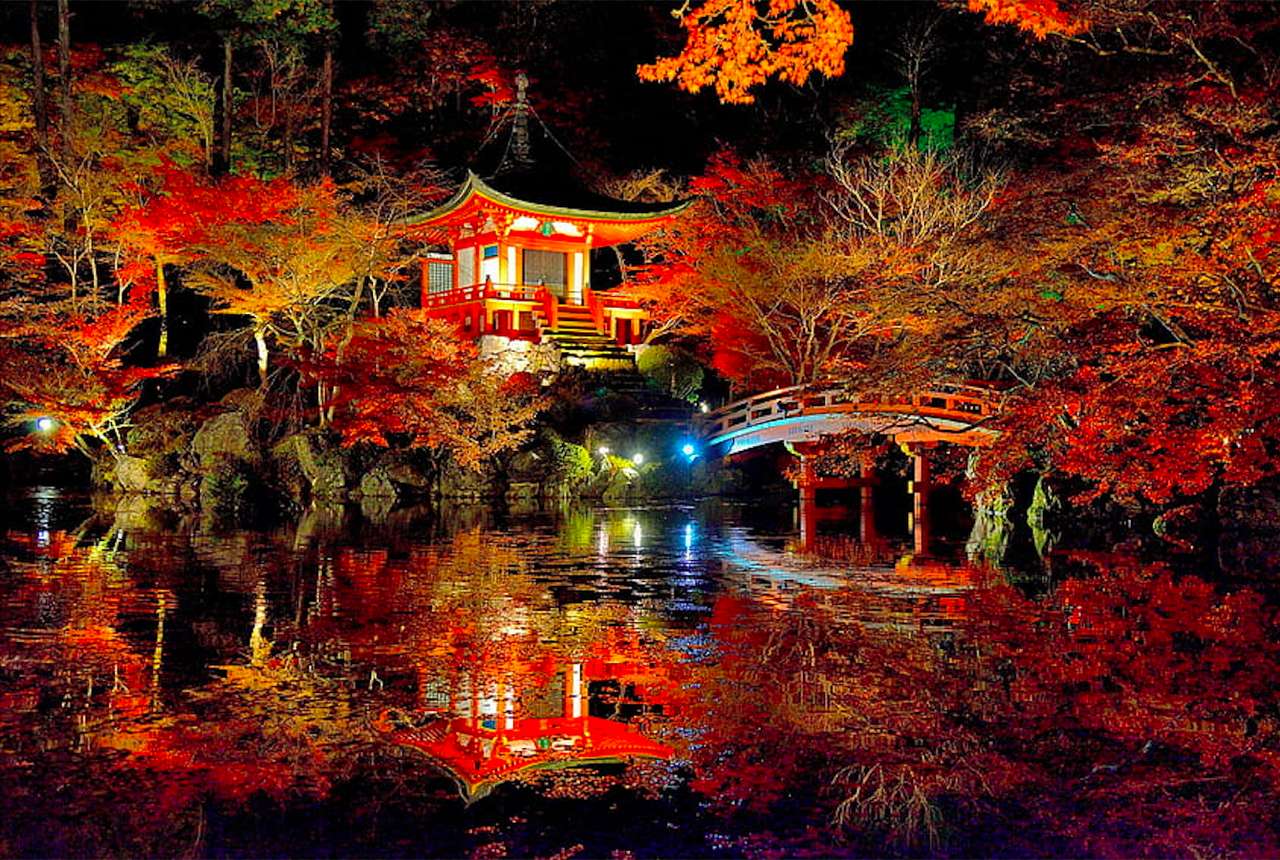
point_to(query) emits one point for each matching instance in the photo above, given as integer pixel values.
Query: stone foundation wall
(512, 355)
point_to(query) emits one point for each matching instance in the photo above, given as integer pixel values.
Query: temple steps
(582, 344)
(589, 349)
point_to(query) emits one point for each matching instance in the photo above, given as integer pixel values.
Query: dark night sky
(588, 52)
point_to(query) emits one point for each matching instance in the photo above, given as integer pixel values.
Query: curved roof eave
(476, 185)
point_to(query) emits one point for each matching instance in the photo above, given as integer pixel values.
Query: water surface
(706, 680)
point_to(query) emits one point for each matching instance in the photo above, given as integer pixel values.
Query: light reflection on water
(679, 681)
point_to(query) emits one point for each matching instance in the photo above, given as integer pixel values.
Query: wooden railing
(461, 304)
(617, 299)
(594, 304)
(550, 308)
(487, 290)
(964, 403)
(524, 292)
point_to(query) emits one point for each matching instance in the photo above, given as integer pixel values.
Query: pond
(707, 680)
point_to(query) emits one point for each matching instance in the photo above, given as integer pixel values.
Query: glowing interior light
(688, 450)
(604, 450)
(44, 424)
(637, 459)
(704, 408)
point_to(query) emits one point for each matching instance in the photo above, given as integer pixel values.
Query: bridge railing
(955, 402)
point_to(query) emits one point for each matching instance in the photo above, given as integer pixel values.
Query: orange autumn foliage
(410, 380)
(1041, 18)
(66, 363)
(734, 46)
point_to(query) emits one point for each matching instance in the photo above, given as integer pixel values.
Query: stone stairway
(582, 344)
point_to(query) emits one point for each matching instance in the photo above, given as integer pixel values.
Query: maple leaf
(1041, 18)
(735, 46)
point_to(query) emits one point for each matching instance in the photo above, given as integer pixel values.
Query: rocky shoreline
(213, 459)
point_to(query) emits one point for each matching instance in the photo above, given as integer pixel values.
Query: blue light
(688, 450)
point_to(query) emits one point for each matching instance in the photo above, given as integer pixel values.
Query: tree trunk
(286, 143)
(222, 163)
(260, 338)
(39, 104)
(64, 71)
(326, 107)
(162, 297)
(913, 133)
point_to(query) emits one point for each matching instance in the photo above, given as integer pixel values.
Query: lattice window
(466, 267)
(439, 276)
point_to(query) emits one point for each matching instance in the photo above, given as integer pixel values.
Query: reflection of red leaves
(1165, 674)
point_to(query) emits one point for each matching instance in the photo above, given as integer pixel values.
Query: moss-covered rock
(993, 524)
(716, 478)
(222, 436)
(1044, 515)
(308, 466)
(463, 484)
(133, 475)
(230, 487)
(162, 435)
(377, 484)
(621, 486)
(568, 465)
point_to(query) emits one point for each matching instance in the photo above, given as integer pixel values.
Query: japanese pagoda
(520, 252)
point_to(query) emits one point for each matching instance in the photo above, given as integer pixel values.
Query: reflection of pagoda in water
(484, 730)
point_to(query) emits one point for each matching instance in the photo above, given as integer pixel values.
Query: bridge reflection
(809, 513)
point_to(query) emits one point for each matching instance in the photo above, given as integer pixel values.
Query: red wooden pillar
(806, 482)
(808, 513)
(866, 501)
(919, 487)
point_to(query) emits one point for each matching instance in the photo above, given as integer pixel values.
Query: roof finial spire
(520, 128)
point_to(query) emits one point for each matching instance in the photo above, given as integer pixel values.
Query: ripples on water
(686, 682)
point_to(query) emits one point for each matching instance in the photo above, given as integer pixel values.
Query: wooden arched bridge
(958, 414)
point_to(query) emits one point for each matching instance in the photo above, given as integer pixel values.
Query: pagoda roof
(458, 747)
(527, 193)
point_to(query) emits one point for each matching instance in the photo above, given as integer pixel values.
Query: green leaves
(883, 120)
(286, 20)
(168, 99)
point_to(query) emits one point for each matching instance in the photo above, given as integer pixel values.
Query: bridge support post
(806, 487)
(866, 501)
(807, 482)
(808, 513)
(919, 486)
